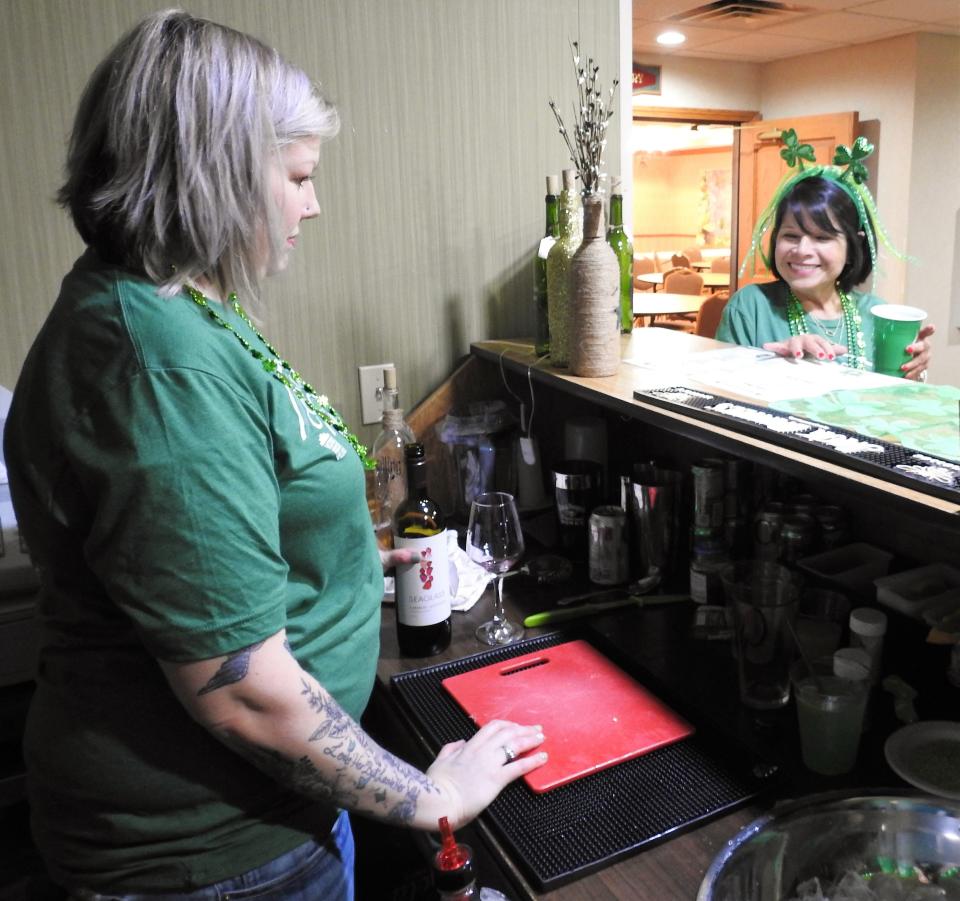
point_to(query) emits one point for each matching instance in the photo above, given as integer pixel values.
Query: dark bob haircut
(821, 202)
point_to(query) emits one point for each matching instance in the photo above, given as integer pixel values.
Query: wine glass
(495, 541)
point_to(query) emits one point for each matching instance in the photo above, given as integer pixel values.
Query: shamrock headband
(847, 172)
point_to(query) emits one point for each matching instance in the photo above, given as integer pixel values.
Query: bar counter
(700, 674)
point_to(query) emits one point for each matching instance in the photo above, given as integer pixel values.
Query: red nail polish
(831, 357)
(798, 354)
(819, 354)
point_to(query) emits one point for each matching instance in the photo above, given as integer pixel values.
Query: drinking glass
(495, 541)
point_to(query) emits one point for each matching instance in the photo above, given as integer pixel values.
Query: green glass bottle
(540, 265)
(623, 248)
(558, 269)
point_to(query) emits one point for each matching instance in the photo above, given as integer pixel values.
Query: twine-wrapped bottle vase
(595, 299)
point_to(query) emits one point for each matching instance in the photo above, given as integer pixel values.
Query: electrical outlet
(371, 392)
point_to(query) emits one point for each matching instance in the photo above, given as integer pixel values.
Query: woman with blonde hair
(211, 587)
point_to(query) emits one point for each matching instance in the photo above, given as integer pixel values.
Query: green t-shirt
(757, 314)
(181, 504)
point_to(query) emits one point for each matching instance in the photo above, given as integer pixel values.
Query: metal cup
(576, 492)
(655, 495)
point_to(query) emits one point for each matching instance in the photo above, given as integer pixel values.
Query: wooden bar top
(653, 346)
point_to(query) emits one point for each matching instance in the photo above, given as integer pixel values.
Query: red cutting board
(593, 714)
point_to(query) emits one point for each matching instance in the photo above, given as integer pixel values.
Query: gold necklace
(284, 373)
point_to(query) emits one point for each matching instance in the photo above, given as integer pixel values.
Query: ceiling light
(671, 38)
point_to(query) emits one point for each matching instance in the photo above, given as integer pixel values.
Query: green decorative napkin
(919, 416)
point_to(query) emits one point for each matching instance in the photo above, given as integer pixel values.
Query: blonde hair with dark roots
(171, 146)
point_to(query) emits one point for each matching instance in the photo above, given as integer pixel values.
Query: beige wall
(432, 195)
(689, 83)
(668, 197)
(934, 234)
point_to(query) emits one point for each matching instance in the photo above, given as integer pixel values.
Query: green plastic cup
(895, 327)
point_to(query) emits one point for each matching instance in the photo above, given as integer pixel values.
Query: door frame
(695, 116)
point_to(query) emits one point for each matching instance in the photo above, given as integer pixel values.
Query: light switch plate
(371, 388)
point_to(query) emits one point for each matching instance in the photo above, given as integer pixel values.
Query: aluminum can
(797, 537)
(708, 494)
(766, 534)
(607, 546)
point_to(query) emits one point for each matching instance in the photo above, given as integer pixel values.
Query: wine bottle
(423, 589)
(623, 248)
(390, 476)
(542, 339)
(558, 269)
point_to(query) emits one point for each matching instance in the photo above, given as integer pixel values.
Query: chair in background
(720, 264)
(708, 317)
(642, 266)
(692, 254)
(679, 261)
(682, 281)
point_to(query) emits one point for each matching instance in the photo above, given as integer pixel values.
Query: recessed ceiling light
(671, 38)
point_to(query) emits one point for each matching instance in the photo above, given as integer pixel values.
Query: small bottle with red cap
(454, 877)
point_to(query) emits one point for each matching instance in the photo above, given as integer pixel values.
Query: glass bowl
(868, 847)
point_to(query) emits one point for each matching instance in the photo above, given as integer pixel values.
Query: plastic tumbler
(831, 694)
(895, 327)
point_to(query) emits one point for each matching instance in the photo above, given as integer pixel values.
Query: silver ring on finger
(509, 754)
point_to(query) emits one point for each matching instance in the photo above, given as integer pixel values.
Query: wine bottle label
(423, 589)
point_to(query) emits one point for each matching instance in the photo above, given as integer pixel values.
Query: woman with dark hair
(823, 244)
(210, 583)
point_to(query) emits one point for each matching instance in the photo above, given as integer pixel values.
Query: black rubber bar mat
(933, 475)
(583, 826)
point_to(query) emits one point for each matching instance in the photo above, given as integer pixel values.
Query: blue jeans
(310, 872)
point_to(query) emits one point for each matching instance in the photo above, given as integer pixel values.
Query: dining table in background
(711, 280)
(647, 306)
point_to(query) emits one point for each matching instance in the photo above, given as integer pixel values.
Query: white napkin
(468, 580)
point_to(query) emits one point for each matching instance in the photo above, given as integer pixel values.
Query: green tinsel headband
(847, 172)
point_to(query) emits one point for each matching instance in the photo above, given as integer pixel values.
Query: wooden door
(762, 168)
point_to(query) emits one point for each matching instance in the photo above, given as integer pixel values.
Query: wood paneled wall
(432, 195)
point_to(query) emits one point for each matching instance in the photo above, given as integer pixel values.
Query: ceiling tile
(840, 27)
(822, 24)
(763, 47)
(645, 33)
(939, 11)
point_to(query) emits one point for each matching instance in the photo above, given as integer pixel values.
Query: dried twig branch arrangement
(590, 120)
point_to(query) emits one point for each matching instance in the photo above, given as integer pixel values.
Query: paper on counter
(763, 375)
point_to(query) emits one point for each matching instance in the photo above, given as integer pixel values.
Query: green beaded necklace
(852, 322)
(284, 373)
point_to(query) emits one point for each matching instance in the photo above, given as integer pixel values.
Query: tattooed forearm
(232, 670)
(300, 775)
(345, 767)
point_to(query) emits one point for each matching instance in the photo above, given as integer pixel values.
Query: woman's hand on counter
(813, 346)
(470, 774)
